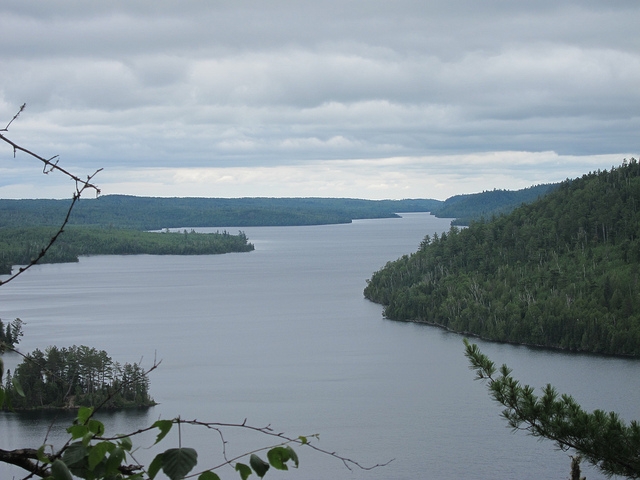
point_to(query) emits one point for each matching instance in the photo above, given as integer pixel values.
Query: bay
(283, 336)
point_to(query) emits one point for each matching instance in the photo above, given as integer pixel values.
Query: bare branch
(267, 430)
(25, 458)
(22, 107)
(50, 165)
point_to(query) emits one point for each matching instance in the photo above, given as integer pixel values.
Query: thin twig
(22, 107)
(49, 166)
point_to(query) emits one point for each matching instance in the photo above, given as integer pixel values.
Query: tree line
(561, 272)
(19, 245)
(469, 207)
(153, 213)
(76, 376)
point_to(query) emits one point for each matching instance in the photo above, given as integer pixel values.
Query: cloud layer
(322, 98)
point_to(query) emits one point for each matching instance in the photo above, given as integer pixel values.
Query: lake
(283, 336)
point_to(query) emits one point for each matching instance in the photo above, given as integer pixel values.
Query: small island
(77, 376)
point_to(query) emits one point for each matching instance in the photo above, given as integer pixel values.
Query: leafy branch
(90, 454)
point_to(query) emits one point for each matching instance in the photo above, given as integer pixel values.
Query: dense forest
(77, 376)
(466, 208)
(561, 272)
(19, 245)
(152, 213)
(117, 224)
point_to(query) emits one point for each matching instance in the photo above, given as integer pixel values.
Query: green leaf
(17, 386)
(115, 460)
(59, 471)
(42, 457)
(209, 475)
(164, 426)
(177, 462)
(303, 440)
(96, 427)
(279, 456)
(77, 431)
(126, 443)
(259, 466)
(74, 453)
(155, 466)
(86, 440)
(84, 413)
(294, 456)
(244, 470)
(98, 452)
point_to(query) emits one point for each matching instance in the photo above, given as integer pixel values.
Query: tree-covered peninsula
(18, 246)
(562, 272)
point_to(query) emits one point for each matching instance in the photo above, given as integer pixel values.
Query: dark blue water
(283, 336)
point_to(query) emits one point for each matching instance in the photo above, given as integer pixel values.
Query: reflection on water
(51, 424)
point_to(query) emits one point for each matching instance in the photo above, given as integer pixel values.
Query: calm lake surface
(283, 336)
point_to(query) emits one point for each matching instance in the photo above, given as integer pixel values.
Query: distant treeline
(155, 213)
(152, 213)
(114, 224)
(561, 272)
(466, 208)
(18, 246)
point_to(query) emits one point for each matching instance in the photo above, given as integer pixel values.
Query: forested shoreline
(118, 224)
(561, 272)
(469, 207)
(19, 246)
(155, 213)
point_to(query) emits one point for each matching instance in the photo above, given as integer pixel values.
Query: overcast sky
(367, 99)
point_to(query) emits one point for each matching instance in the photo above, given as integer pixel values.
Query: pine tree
(601, 438)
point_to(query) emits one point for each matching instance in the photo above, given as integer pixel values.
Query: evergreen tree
(599, 437)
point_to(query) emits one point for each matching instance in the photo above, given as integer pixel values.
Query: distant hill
(465, 208)
(561, 272)
(155, 213)
(149, 213)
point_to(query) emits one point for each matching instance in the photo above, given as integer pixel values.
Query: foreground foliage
(561, 272)
(599, 437)
(91, 454)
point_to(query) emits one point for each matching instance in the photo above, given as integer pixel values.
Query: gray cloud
(198, 84)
